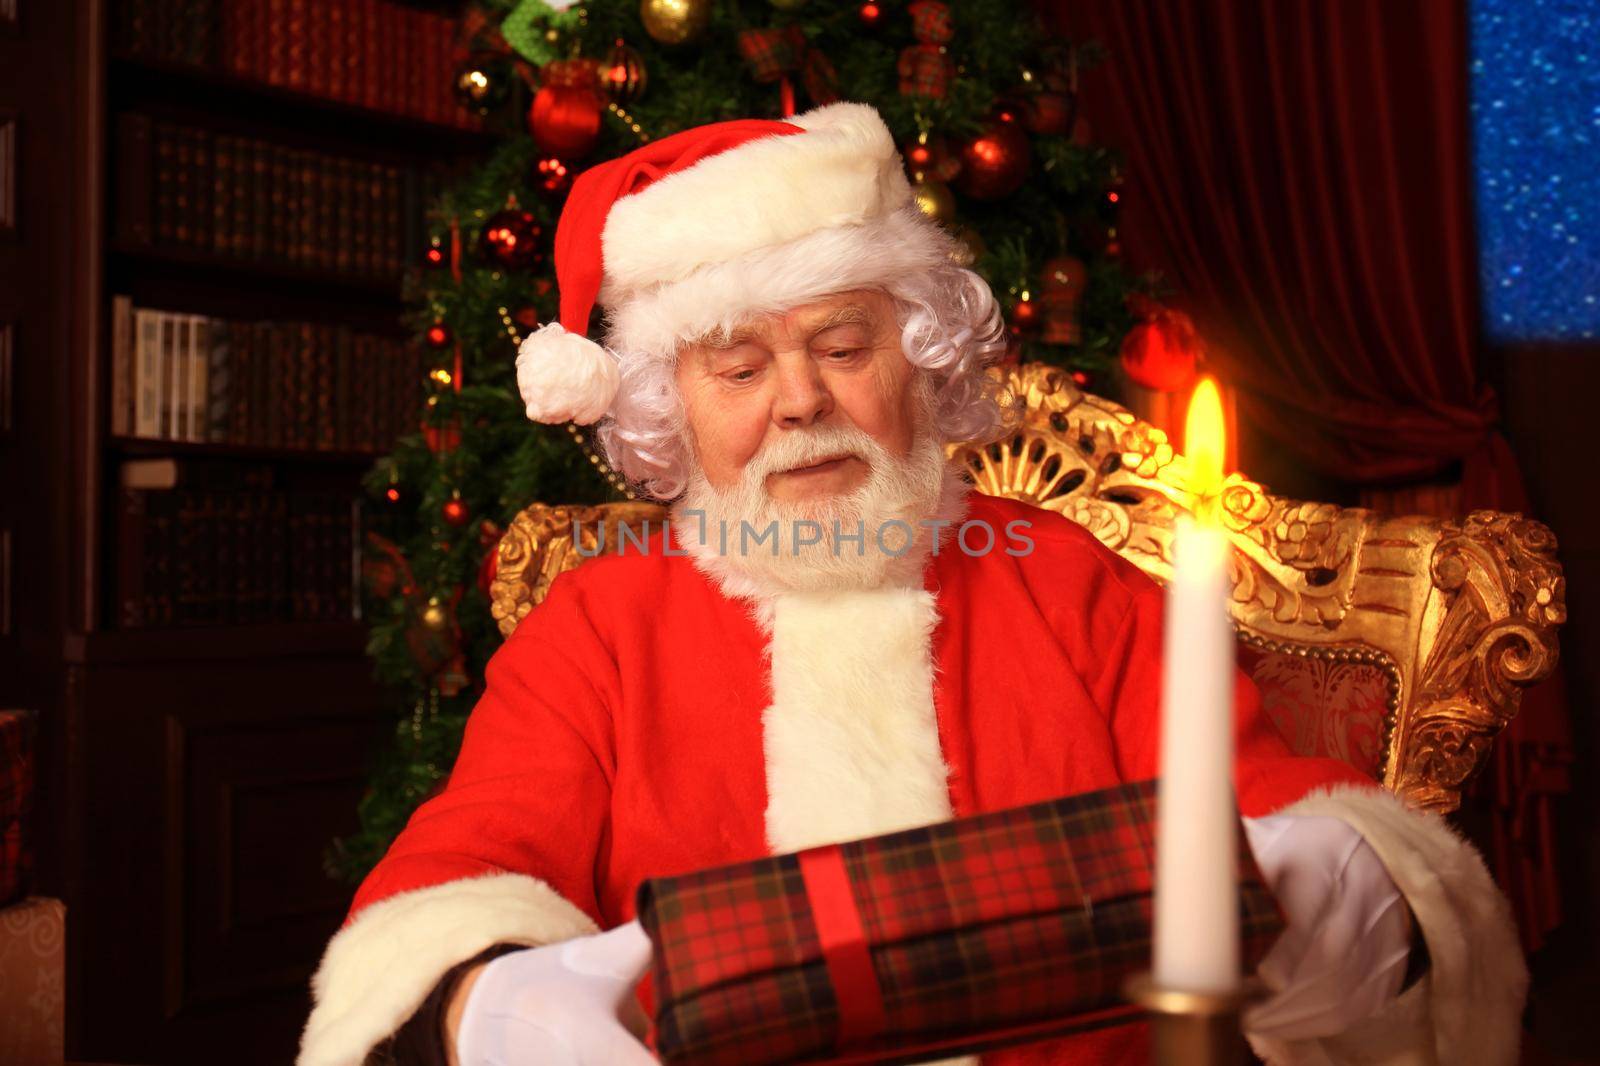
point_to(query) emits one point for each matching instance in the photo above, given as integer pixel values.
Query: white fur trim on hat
(842, 171)
(774, 279)
(565, 377)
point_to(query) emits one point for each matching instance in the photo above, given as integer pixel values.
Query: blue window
(1535, 98)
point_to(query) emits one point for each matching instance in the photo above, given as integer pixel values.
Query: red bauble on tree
(1162, 351)
(1024, 316)
(1048, 113)
(995, 162)
(513, 239)
(565, 116)
(455, 511)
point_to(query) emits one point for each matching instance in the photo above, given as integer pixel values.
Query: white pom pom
(564, 377)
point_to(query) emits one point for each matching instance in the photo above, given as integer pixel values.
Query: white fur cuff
(379, 968)
(1469, 1008)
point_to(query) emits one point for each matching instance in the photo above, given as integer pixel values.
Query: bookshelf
(194, 764)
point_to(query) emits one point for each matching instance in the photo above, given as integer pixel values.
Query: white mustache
(793, 450)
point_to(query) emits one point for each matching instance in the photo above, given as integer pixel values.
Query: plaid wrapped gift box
(998, 929)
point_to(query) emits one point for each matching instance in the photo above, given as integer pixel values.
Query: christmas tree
(984, 105)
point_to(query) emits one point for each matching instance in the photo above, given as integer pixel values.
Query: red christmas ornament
(1162, 352)
(442, 438)
(1048, 113)
(513, 239)
(1024, 316)
(870, 14)
(552, 178)
(455, 511)
(622, 75)
(565, 119)
(1060, 291)
(527, 317)
(995, 163)
(438, 335)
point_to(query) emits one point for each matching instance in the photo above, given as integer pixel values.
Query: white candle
(1197, 892)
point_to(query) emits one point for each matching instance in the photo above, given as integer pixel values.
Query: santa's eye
(845, 355)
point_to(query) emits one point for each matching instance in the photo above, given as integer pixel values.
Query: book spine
(180, 354)
(342, 428)
(317, 47)
(262, 208)
(344, 204)
(275, 21)
(394, 228)
(166, 136)
(263, 367)
(219, 380)
(338, 49)
(224, 186)
(135, 182)
(132, 560)
(295, 70)
(201, 181)
(199, 379)
(306, 219)
(278, 204)
(182, 175)
(324, 396)
(122, 381)
(146, 373)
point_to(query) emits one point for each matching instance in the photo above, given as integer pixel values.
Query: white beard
(721, 528)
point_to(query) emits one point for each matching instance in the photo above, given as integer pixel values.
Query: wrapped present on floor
(17, 730)
(999, 929)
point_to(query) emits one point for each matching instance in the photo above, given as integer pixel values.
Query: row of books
(246, 198)
(305, 385)
(195, 553)
(376, 54)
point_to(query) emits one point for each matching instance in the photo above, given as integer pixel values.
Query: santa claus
(834, 639)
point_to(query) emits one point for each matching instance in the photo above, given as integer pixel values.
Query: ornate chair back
(1399, 644)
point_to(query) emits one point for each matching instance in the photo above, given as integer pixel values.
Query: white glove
(564, 1004)
(1348, 940)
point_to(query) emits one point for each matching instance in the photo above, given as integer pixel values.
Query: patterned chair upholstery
(1399, 644)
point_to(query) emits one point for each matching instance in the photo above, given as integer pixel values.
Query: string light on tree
(483, 82)
(870, 14)
(438, 335)
(434, 254)
(623, 75)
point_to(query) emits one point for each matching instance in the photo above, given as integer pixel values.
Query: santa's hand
(565, 1004)
(1348, 940)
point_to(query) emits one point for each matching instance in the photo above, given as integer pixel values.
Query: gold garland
(614, 479)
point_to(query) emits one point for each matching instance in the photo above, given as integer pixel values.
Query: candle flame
(1204, 443)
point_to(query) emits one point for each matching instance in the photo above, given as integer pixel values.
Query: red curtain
(1301, 173)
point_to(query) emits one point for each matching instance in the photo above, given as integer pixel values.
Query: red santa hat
(706, 225)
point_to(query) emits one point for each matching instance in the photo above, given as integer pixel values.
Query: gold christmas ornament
(935, 200)
(972, 244)
(675, 21)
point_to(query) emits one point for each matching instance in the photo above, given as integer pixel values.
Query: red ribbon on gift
(844, 944)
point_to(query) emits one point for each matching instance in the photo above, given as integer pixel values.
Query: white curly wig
(950, 325)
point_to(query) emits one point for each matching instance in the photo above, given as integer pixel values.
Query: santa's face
(787, 389)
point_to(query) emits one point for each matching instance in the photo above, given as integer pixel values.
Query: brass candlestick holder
(1194, 1028)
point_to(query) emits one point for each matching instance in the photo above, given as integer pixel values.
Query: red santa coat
(640, 723)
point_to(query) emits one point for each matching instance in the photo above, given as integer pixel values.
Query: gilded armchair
(1399, 644)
